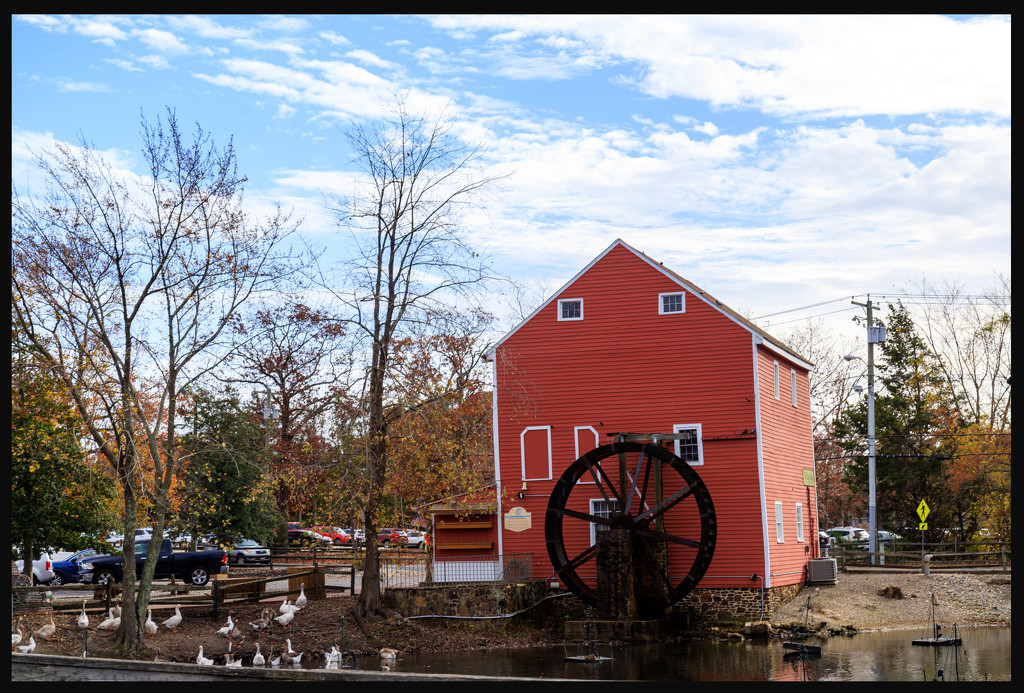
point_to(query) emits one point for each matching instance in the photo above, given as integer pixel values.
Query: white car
(248, 551)
(414, 538)
(42, 569)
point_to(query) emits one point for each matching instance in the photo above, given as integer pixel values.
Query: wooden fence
(910, 555)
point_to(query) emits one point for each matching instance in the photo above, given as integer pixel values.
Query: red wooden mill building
(627, 346)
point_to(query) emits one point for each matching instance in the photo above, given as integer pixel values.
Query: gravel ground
(964, 599)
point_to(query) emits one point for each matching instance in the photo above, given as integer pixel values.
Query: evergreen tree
(908, 460)
(224, 487)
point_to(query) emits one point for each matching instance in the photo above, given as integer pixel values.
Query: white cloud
(162, 41)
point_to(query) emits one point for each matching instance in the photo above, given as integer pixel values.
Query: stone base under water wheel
(606, 630)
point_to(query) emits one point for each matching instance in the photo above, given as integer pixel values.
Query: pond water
(873, 656)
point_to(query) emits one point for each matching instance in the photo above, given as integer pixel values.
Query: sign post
(922, 512)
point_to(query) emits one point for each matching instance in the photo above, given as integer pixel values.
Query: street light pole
(875, 334)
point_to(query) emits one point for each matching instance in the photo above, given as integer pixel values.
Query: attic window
(570, 309)
(671, 303)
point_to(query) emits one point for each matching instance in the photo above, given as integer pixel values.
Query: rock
(891, 592)
(759, 629)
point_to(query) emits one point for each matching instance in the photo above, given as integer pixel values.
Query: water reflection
(888, 656)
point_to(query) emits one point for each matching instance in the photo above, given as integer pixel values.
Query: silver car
(248, 551)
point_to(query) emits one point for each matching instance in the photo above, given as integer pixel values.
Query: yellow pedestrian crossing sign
(922, 511)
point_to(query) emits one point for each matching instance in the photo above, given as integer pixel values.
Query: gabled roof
(769, 341)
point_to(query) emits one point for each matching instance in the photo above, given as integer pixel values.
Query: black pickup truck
(194, 567)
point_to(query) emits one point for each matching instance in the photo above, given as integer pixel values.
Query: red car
(337, 535)
(388, 536)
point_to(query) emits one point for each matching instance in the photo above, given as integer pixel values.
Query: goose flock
(277, 656)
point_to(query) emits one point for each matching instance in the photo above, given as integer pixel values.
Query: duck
(262, 622)
(150, 625)
(174, 621)
(47, 630)
(228, 627)
(258, 659)
(83, 618)
(301, 600)
(235, 635)
(25, 649)
(16, 635)
(285, 618)
(200, 659)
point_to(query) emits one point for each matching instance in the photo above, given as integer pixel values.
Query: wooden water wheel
(645, 489)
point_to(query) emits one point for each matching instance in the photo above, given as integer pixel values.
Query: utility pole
(875, 334)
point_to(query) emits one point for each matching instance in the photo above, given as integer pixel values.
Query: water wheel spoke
(582, 557)
(607, 480)
(661, 508)
(632, 481)
(586, 517)
(655, 534)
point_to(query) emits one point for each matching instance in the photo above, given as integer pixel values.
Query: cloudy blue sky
(776, 161)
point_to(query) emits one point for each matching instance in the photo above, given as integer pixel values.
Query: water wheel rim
(591, 465)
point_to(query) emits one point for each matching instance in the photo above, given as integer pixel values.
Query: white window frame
(682, 303)
(569, 300)
(586, 478)
(792, 383)
(780, 536)
(593, 527)
(522, 452)
(677, 448)
(800, 522)
(775, 365)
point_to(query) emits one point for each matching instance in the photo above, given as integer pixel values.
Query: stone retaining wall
(701, 607)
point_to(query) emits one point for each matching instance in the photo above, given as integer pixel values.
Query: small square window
(570, 309)
(671, 303)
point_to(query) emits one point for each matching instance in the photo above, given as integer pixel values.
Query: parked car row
(860, 536)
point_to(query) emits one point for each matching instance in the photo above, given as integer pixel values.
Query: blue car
(65, 570)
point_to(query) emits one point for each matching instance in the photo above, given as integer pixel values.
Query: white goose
(25, 649)
(174, 621)
(284, 608)
(227, 628)
(388, 653)
(258, 659)
(301, 600)
(285, 618)
(274, 661)
(150, 625)
(83, 618)
(16, 635)
(296, 657)
(229, 659)
(111, 622)
(204, 661)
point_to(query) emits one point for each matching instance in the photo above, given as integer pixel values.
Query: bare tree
(125, 286)
(971, 337)
(411, 255)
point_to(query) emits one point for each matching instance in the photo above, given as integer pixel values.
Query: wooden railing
(911, 555)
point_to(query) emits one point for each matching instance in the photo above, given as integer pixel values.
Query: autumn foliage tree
(124, 285)
(443, 447)
(296, 356)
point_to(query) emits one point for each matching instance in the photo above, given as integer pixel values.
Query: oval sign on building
(518, 519)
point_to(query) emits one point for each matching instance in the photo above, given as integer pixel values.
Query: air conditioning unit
(822, 570)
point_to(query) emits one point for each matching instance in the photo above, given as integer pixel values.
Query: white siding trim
(700, 443)
(792, 384)
(576, 445)
(760, 468)
(780, 528)
(495, 443)
(522, 452)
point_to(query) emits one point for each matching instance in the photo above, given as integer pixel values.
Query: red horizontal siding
(625, 368)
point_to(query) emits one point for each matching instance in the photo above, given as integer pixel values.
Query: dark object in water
(938, 640)
(800, 649)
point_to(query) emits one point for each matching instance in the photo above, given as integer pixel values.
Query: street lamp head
(850, 357)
